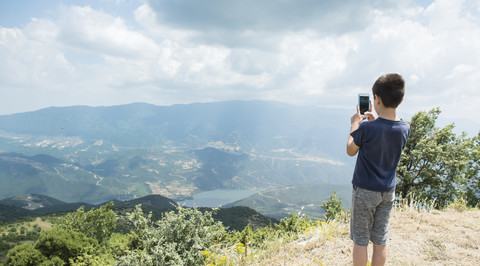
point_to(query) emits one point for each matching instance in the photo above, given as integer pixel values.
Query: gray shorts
(370, 213)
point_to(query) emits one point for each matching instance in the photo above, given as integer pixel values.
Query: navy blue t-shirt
(381, 143)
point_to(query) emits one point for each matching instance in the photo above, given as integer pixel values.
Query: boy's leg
(380, 228)
(360, 255)
(379, 256)
(362, 214)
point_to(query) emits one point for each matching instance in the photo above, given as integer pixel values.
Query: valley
(95, 154)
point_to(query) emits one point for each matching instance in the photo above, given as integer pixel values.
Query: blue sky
(306, 52)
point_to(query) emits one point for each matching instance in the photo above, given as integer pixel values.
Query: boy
(379, 143)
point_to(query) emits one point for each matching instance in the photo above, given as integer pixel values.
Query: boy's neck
(388, 113)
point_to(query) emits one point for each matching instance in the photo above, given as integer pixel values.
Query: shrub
(96, 223)
(91, 257)
(333, 206)
(118, 244)
(64, 244)
(25, 254)
(246, 236)
(458, 205)
(293, 224)
(177, 239)
(54, 261)
(4, 245)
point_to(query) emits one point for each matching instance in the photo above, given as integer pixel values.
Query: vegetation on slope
(184, 236)
(419, 234)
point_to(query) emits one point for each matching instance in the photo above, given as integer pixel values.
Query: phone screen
(364, 103)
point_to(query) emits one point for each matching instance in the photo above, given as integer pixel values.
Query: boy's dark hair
(390, 88)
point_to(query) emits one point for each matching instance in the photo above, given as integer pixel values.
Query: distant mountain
(141, 124)
(44, 174)
(94, 154)
(238, 217)
(31, 201)
(150, 202)
(31, 205)
(297, 199)
(11, 213)
(41, 204)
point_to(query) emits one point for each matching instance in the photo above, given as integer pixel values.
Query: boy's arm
(355, 121)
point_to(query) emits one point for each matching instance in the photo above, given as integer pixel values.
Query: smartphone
(363, 102)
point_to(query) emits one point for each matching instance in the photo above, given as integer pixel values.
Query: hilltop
(448, 237)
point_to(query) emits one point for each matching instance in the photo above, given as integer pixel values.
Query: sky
(303, 52)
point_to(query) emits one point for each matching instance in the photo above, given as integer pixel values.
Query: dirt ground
(447, 237)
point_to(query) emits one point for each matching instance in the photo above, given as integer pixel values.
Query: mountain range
(32, 205)
(95, 154)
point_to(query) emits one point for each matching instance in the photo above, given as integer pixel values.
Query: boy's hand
(370, 114)
(356, 119)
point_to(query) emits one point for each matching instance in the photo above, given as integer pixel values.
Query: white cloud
(97, 32)
(30, 59)
(295, 51)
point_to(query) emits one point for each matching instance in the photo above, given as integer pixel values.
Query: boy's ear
(377, 99)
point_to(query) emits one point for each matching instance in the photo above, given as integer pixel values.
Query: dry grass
(417, 237)
(42, 224)
(437, 238)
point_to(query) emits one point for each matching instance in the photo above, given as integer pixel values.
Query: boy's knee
(379, 247)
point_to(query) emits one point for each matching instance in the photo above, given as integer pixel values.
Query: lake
(217, 198)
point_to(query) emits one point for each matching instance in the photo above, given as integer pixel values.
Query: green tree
(98, 224)
(472, 194)
(25, 254)
(435, 163)
(64, 244)
(333, 206)
(246, 235)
